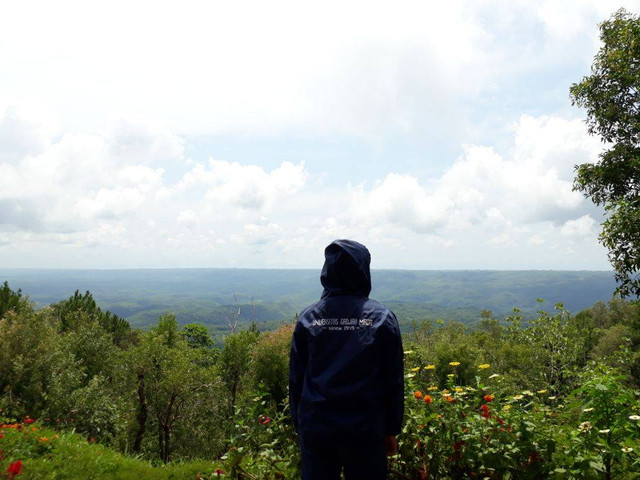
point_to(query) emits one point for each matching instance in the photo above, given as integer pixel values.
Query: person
(346, 377)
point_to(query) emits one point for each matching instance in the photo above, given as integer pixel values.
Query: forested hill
(213, 296)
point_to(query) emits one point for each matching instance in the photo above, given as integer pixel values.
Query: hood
(346, 269)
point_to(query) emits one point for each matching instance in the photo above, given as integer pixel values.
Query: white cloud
(78, 194)
(246, 186)
(579, 228)
(533, 184)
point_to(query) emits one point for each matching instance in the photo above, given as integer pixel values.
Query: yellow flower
(542, 391)
(451, 375)
(432, 388)
(506, 408)
(518, 397)
(417, 369)
(445, 392)
(454, 364)
(430, 367)
(459, 389)
(483, 366)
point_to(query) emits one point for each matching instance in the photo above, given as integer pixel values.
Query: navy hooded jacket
(346, 365)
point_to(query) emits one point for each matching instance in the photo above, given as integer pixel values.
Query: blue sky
(251, 134)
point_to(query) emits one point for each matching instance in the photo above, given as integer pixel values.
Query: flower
(543, 391)
(451, 375)
(15, 468)
(449, 398)
(428, 399)
(417, 394)
(585, 426)
(264, 420)
(488, 398)
(219, 472)
(634, 418)
(417, 369)
(430, 367)
(44, 439)
(432, 388)
(606, 430)
(518, 397)
(506, 408)
(587, 410)
(553, 397)
(626, 449)
(454, 364)
(486, 411)
(28, 420)
(483, 366)
(459, 389)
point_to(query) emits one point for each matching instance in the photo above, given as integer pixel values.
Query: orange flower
(488, 398)
(428, 399)
(449, 398)
(417, 394)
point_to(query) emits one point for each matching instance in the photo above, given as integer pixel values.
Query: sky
(251, 134)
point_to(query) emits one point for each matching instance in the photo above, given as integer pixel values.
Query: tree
(611, 97)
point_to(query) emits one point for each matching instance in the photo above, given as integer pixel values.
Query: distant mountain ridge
(213, 296)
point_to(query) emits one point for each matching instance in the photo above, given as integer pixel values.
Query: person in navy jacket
(346, 376)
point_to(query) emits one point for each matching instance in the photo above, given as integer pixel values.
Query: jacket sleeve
(393, 375)
(297, 368)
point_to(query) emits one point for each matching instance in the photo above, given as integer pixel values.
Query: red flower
(485, 410)
(28, 420)
(500, 421)
(219, 472)
(264, 420)
(15, 468)
(488, 398)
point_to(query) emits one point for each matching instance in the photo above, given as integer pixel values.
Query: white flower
(635, 418)
(626, 449)
(606, 430)
(584, 426)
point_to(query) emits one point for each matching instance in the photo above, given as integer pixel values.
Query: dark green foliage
(197, 335)
(611, 97)
(10, 300)
(67, 311)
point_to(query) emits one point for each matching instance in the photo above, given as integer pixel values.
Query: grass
(47, 454)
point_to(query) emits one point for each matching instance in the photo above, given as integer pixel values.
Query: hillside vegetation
(266, 297)
(556, 397)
